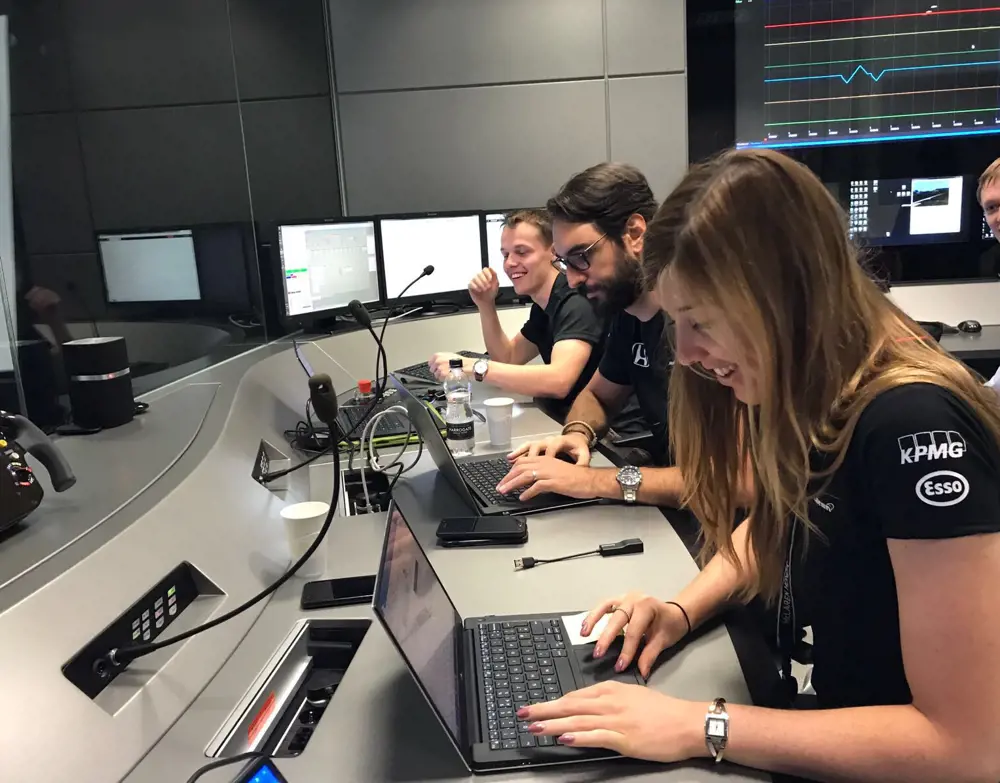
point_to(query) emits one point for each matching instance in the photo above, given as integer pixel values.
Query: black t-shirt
(637, 355)
(567, 316)
(920, 465)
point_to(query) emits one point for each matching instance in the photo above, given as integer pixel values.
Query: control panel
(141, 623)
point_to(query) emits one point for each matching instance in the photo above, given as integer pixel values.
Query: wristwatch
(717, 729)
(480, 368)
(629, 479)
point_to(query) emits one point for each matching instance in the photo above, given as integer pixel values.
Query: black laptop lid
(423, 624)
(303, 362)
(429, 433)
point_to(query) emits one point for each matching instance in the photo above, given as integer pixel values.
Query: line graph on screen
(857, 70)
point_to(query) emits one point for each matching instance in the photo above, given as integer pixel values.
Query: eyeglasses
(578, 259)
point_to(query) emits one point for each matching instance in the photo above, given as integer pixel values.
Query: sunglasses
(578, 259)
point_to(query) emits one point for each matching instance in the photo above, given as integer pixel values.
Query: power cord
(628, 546)
(248, 756)
(373, 458)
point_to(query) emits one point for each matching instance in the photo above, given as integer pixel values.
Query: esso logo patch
(943, 488)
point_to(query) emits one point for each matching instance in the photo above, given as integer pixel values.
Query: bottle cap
(453, 363)
(365, 387)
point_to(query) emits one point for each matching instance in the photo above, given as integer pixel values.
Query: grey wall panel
(77, 279)
(280, 48)
(645, 36)
(162, 167)
(148, 52)
(649, 127)
(39, 70)
(293, 164)
(396, 44)
(49, 184)
(475, 148)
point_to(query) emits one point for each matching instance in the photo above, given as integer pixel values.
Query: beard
(620, 291)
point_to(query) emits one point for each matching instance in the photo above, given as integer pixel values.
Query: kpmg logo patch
(943, 488)
(937, 444)
(640, 357)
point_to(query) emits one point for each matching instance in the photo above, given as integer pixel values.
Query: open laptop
(475, 478)
(477, 673)
(354, 418)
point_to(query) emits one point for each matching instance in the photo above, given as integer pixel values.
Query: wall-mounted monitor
(155, 266)
(820, 73)
(494, 229)
(453, 244)
(324, 266)
(906, 211)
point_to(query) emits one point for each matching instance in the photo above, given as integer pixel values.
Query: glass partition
(131, 209)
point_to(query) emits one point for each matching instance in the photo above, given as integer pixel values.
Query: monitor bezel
(459, 297)
(308, 320)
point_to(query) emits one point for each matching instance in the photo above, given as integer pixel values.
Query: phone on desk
(325, 593)
(482, 531)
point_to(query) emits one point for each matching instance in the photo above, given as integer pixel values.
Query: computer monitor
(154, 266)
(494, 228)
(453, 244)
(906, 211)
(324, 266)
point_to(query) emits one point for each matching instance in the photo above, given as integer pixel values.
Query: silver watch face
(630, 477)
(716, 728)
(479, 368)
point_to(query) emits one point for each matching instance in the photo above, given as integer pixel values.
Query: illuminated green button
(171, 591)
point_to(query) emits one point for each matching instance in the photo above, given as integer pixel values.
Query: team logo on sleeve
(640, 356)
(943, 488)
(936, 444)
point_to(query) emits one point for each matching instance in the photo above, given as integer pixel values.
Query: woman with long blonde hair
(876, 513)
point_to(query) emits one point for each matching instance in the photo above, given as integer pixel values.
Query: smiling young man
(599, 219)
(562, 326)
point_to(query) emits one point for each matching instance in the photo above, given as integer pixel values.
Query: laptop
(422, 372)
(476, 673)
(475, 478)
(354, 418)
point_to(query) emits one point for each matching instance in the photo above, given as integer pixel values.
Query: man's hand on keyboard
(439, 364)
(535, 475)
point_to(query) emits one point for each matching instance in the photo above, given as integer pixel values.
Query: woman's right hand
(484, 287)
(662, 625)
(575, 444)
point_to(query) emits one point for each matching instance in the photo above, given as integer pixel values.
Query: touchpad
(602, 669)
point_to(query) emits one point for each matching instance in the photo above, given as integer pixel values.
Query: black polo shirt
(920, 465)
(637, 355)
(567, 316)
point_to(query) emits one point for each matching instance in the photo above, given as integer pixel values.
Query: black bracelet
(686, 618)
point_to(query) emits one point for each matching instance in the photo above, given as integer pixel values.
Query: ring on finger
(534, 475)
(624, 611)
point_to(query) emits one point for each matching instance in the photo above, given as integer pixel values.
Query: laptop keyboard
(423, 372)
(354, 420)
(485, 476)
(519, 661)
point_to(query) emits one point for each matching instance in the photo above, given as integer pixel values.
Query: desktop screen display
(906, 211)
(150, 267)
(494, 229)
(325, 266)
(452, 244)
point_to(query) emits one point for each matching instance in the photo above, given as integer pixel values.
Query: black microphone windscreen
(429, 269)
(324, 399)
(360, 313)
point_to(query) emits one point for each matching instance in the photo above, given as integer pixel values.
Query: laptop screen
(421, 619)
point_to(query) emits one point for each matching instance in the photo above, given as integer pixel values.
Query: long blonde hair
(759, 236)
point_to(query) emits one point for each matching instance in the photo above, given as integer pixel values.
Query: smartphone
(337, 592)
(488, 530)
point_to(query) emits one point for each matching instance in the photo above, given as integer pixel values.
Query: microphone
(323, 399)
(87, 312)
(363, 317)
(427, 271)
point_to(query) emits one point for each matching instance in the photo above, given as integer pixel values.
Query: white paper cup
(302, 522)
(315, 566)
(499, 418)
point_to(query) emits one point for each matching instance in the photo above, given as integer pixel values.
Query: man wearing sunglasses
(599, 219)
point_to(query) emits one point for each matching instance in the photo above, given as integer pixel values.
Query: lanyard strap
(787, 625)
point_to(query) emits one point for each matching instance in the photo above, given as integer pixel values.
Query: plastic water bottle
(458, 417)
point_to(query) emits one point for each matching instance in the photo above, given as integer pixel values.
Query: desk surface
(210, 512)
(984, 345)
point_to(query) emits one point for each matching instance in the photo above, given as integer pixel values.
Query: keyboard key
(550, 679)
(545, 662)
(520, 698)
(526, 740)
(553, 697)
(537, 627)
(495, 745)
(522, 636)
(540, 646)
(503, 693)
(558, 653)
(508, 734)
(522, 628)
(519, 687)
(536, 695)
(511, 645)
(514, 677)
(548, 670)
(529, 658)
(510, 744)
(507, 723)
(515, 670)
(545, 742)
(532, 676)
(559, 645)
(551, 688)
(531, 667)
(504, 704)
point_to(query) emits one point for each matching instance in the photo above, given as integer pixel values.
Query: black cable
(248, 756)
(119, 658)
(628, 546)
